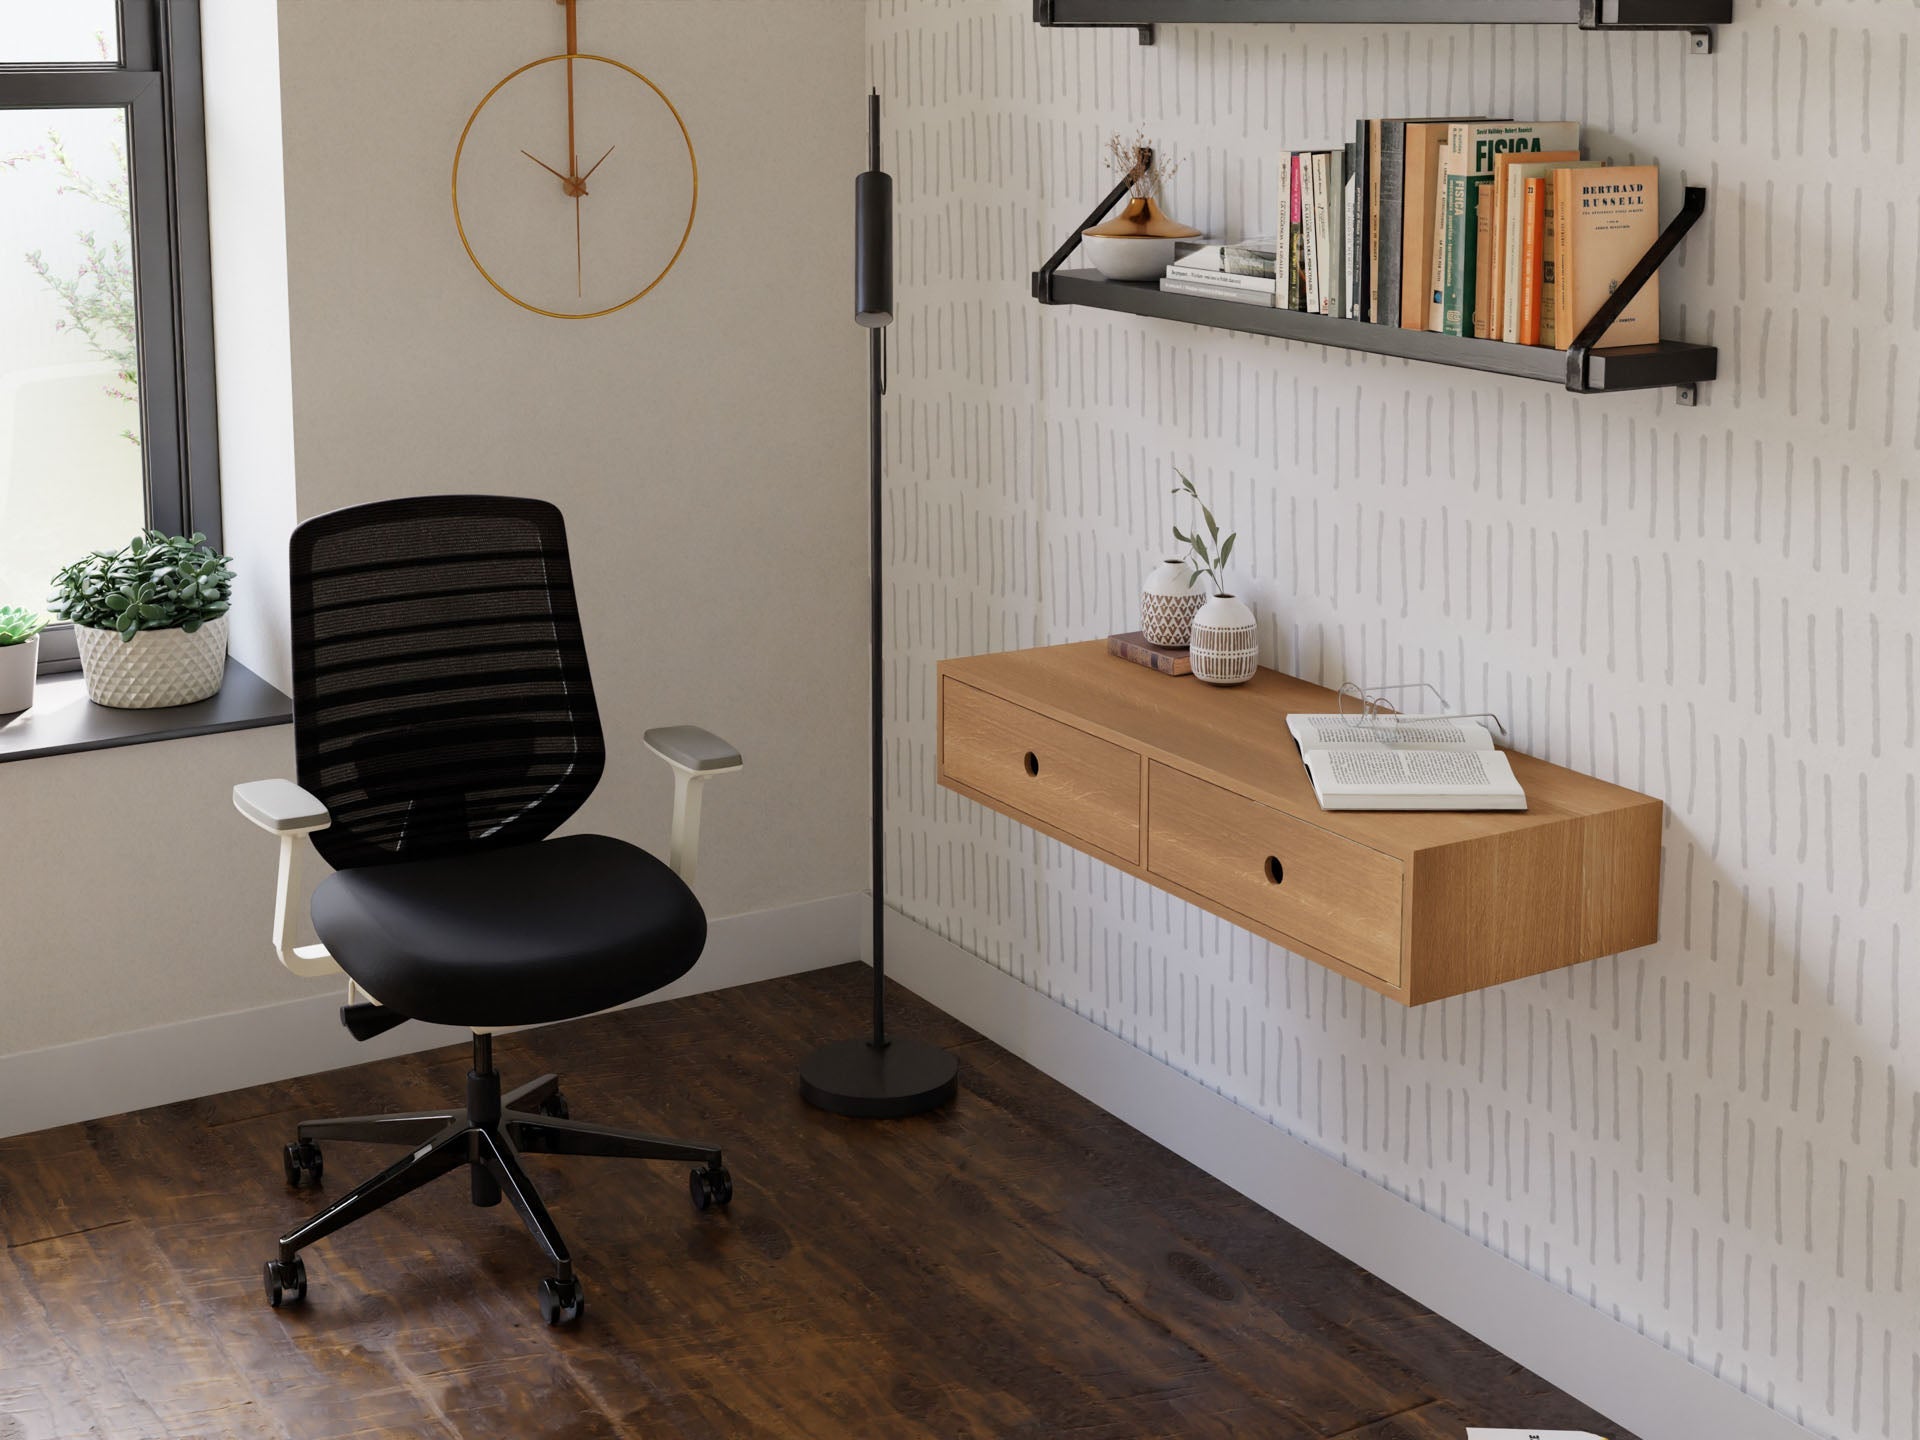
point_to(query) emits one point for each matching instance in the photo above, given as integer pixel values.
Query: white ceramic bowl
(1128, 257)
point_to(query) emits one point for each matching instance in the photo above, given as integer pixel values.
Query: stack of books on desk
(1430, 762)
(1244, 271)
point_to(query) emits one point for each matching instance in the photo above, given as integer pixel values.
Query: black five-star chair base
(488, 1137)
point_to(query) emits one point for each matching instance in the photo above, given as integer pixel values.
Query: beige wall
(706, 445)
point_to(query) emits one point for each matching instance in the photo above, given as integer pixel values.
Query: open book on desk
(1431, 762)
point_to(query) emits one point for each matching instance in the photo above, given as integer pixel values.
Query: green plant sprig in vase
(1206, 554)
(150, 619)
(1224, 647)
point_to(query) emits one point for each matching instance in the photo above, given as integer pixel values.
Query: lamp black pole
(881, 1076)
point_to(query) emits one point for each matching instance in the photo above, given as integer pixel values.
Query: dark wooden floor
(1021, 1266)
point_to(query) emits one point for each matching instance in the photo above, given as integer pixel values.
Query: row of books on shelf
(1495, 229)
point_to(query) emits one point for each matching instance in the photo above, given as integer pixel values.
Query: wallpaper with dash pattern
(1716, 1139)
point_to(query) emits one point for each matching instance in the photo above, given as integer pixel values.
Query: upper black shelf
(1587, 14)
(1628, 367)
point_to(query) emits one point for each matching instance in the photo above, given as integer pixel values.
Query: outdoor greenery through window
(106, 423)
(71, 478)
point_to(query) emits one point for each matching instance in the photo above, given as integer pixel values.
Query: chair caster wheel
(710, 1187)
(304, 1164)
(561, 1301)
(556, 1106)
(286, 1282)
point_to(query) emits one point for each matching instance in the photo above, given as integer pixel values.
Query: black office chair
(445, 726)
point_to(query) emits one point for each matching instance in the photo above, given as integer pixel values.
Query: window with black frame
(106, 322)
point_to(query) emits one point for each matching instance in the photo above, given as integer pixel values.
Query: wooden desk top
(1237, 737)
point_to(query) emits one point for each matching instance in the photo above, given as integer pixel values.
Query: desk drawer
(1284, 874)
(1087, 787)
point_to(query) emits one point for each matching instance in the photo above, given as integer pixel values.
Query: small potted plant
(150, 620)
(19, 656)
(1223, 648)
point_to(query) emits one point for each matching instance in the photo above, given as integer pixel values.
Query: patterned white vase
(1168, 603)
(1225, 650)
(155, 668)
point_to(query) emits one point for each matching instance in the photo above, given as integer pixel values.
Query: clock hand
(573, 46)
(579, 283)
(596, 165)
(545, 166)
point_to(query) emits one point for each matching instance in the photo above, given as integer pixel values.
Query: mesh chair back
(441, 700)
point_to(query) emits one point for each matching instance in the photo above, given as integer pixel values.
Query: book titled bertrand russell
(1604, 220)
(1134, 646)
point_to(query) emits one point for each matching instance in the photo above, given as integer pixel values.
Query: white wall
(707, 446)
(1715, 1140)
(246, 203)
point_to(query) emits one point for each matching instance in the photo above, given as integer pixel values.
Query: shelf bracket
(1580, 352)
(1043, 14)
(1043, 277)
(1644, 15)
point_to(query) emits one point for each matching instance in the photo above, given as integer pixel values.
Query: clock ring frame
(693, 205)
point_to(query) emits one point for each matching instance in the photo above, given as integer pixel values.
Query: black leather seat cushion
(515, 936)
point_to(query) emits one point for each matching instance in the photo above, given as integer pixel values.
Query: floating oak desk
(1200, 791)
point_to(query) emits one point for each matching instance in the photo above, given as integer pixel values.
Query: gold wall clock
(574, 183)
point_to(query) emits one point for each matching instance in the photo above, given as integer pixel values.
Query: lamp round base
(851, 1077)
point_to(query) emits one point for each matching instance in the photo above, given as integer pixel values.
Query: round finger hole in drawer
(1276, 872)
(1032, 763)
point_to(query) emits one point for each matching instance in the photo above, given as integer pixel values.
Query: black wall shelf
(1631, 367)
(1692, 15)
(1583, 367)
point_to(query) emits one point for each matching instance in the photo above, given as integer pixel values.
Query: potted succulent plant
(150, 620)
(1223, 648)
(19, 656)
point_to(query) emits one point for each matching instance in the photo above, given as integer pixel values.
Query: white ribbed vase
(1224, 649)
(1168, 601)
(155, 668)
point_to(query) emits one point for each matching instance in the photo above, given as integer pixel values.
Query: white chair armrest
(280, 806)
(688, 747)
(695, 756)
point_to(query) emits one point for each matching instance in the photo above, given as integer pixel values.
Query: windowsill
(64, 722)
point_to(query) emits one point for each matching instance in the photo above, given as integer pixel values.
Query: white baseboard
(1653, 1391)
(87, 1079)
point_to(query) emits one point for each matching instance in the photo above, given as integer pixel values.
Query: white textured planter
(155, 668)
(17, 666)
(1168, 603)
(1224, 649)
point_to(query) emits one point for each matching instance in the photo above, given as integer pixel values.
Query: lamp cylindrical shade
(873, 248)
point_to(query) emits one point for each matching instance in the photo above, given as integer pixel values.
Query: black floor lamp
(881, 1076)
